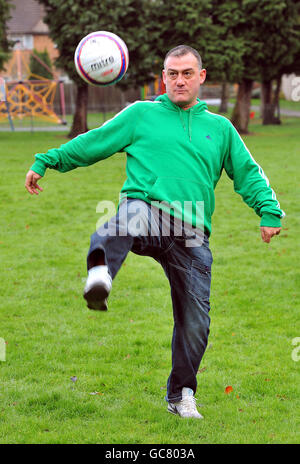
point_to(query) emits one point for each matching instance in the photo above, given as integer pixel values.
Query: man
(176, 151)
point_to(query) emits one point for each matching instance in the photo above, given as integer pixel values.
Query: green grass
(121, 359)
(283, 103)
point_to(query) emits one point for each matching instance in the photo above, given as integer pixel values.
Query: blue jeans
(188, 269)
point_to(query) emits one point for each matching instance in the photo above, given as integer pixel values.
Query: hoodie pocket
(181, 194)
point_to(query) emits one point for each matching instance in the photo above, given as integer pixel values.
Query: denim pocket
(200, 279)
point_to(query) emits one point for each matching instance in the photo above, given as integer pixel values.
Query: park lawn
(76, 376)
(283, 103)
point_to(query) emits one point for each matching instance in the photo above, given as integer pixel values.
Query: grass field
(76, 376)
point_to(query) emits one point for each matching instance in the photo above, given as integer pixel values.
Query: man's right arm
(86, 149)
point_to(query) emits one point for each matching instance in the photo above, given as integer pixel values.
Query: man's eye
(172, 75)
(188, 74)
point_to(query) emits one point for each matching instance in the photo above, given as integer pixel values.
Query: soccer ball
(101, 58)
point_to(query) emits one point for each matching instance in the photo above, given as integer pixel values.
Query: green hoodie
(174, 156)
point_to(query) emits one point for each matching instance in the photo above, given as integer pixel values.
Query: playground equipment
(3, 100)
(152, 90)
(32, 97)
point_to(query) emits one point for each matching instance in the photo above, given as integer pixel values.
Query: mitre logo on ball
(101, 58)
(103, 63)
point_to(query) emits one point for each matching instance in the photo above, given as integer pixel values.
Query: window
(24, 42)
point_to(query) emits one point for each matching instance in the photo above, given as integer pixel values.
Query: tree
(208, 27)
(281, 58)
(176, 23)
(5, 44)
(69, 21)
(225, 51)
(267, 29)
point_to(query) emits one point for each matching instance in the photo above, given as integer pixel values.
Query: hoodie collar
(196, 109)
(165, 100)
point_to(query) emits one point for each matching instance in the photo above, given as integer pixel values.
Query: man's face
(182, 78)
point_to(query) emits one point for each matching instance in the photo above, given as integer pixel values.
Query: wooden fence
(101, 99)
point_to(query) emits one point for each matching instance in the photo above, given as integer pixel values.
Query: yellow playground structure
(33, 97)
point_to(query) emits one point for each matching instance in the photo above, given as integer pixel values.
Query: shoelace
(189, 403)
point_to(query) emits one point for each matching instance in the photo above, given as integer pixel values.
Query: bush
(37, 68)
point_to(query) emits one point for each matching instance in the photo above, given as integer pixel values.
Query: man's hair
(182, 50)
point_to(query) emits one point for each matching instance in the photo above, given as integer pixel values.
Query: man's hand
(31, 182)
(268, 232)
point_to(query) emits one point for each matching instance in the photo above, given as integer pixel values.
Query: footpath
(65, 128)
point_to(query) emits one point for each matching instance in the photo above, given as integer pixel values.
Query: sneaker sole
(96, 297)
(176, 413)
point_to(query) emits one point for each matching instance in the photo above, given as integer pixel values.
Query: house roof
(26, 18)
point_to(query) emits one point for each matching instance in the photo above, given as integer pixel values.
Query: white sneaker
(187, 406)
(97, 288)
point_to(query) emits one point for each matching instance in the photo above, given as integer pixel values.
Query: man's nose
(180, 80)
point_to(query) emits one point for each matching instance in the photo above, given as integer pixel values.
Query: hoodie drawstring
(190, 125)
(183, 123)
(196, 109)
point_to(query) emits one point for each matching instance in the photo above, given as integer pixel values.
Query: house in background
(27, 29)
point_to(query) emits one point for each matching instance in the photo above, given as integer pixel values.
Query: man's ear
(164, 76)
(202, 76)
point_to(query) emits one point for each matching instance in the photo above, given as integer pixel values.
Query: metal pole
(3, 98)
(62, 102)
(9, 116)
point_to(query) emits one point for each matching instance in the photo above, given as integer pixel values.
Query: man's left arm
(252, 184)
